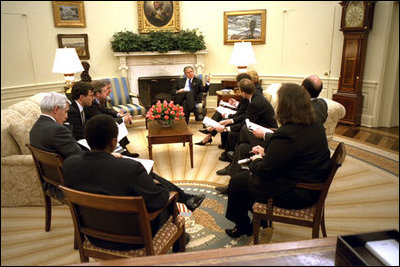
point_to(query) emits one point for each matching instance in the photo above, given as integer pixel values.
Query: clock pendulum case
(356, 23)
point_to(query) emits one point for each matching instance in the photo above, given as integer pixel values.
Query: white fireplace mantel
(144, 64)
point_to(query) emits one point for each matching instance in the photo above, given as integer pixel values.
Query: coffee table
(178, 133)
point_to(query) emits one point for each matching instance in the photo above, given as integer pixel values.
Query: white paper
(226, 104)
(186, 89)
(253, 126)
(147, 163)
(84, 143)
(223, 110)
(385, 250)
(210, 122)
(122, 131)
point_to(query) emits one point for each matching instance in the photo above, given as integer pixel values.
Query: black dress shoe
(203, 144)
(236, 232)
(128, 154)
(230, 154)
(204, 131)
(194, 202)
(222, 189)
(224, 157)
(224, 171)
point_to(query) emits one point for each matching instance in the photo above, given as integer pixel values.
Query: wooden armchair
(313, 217)
(123, 220)
(48, 166)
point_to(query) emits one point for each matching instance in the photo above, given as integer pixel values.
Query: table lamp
(67, 62)
(242, 56)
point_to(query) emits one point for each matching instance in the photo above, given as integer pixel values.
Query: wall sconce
(242, 56)
(67, 62)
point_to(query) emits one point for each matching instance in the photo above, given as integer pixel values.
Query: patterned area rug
(207, 224)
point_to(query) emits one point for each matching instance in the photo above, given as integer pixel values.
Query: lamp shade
(66, 61)
(242, 54)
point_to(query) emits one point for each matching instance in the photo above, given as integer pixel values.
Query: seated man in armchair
(188, 91)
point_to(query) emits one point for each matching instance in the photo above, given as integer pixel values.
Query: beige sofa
(20, 185)
(336, 111)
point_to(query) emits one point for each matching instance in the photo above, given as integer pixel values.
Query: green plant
(160, 41)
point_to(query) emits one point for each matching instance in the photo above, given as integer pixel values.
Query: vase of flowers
(165, 113)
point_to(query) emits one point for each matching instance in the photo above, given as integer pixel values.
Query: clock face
(354, 14)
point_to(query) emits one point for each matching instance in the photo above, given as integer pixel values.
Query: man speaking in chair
(188, 91)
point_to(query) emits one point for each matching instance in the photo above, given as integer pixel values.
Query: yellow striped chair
(121, 98)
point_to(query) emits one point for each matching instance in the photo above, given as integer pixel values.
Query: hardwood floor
(384, 138)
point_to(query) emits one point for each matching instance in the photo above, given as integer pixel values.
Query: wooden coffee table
(178, 133)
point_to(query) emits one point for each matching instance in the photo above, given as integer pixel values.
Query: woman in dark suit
(297, 152)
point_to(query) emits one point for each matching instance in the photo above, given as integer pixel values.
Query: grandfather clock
(356, 23)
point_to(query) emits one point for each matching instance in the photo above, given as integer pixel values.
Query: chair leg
(256, 227)
(180, 244)
(323, 224)
(47, 212)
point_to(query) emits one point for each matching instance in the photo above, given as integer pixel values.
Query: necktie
(190, 84)
(83, 118)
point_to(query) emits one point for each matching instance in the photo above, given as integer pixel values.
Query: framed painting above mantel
(158, 16)
(246, 25)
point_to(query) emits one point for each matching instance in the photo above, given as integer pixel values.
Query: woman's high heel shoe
(204, 131)
(203, 144)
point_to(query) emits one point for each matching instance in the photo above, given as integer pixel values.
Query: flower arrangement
(165, 112)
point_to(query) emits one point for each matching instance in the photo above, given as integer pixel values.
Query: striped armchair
(121, 98)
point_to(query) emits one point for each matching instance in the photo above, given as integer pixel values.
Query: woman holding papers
(297, 152)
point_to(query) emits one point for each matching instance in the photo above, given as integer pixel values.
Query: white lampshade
(242, 55)
(66, 61)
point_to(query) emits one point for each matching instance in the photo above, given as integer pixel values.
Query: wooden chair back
(315, 214)
(119, 219)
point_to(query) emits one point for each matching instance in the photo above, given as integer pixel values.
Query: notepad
(210, 122)
(147, 163)
(226, 104)
(386, 251)
(253, 126)
(223, 110)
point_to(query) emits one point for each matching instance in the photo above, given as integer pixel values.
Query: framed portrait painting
(69, 14)
(248, 25)
(77, 41)
(158, 16)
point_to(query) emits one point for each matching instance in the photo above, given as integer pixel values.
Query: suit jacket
(197, 87)
(320, 109)
(48, 135)
(75, 120)
(258, 111)
(96, 109)
(101, 173)
(296, 153)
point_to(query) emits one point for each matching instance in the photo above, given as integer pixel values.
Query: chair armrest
(311, 186)
(173, 197)
(133, 95)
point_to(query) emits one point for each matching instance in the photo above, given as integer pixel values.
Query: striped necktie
(83, 118)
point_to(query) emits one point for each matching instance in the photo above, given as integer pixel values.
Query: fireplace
(155, 88)
(155, 71)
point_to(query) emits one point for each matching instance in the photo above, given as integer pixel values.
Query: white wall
(302, 37)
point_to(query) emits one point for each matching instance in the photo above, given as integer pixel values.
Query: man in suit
(98, 172)
(49, 134)
(188, 91)
(313, 85)
(82, 95)
(258, 111)
(99, 107)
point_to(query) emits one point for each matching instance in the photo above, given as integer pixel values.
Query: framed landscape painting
(77, 41)
(248, 26)
(69, 14)
(158, 16)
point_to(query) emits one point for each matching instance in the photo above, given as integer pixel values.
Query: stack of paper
(210, 122)
(226, 104)
(223, 110)
(147, 163)
(252, 126)
(386, 251)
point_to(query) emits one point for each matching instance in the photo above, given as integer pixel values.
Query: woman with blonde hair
(256, 80)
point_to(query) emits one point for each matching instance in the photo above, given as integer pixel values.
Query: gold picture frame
(69, 14)
(246, 25)
(77, 41)
(158, 16)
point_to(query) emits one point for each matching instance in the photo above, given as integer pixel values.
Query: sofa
(20, 184)
(336, 111)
